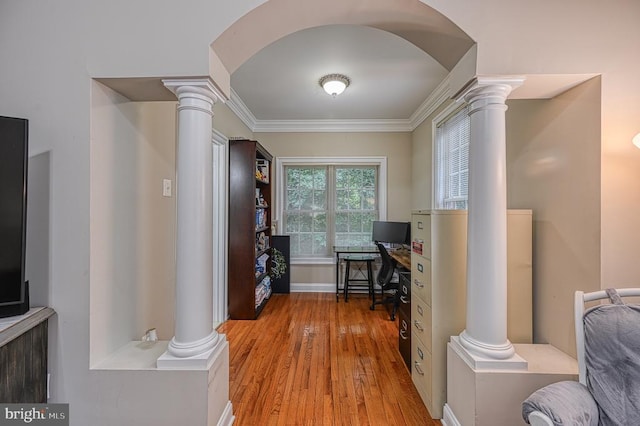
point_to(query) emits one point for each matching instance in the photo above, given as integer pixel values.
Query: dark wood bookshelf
(243, 182)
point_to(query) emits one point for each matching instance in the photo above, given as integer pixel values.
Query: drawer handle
(402, 335)
(404, 299)
(418, 325)
(416, 365)
(418, 283)
(420, 267)
(420, 225)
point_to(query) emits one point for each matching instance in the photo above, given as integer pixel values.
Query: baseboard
(448, 418)
(313, 288)
(227, 417)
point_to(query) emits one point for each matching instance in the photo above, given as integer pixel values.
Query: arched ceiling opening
(396, 53)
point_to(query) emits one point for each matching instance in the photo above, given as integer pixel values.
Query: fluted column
(486, 320)
(194, 337)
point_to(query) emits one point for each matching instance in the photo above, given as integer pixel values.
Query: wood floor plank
(308, 360)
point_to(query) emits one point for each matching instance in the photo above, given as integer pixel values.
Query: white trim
(281, 162)
(313, 287)
(202, 83)
(435, 99)
(238, 107)
(227, 418)
(363, 125)
(437, 120)
(439, 95)
(448, 418)
(220, 146)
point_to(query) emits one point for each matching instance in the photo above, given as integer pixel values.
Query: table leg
(337, 277)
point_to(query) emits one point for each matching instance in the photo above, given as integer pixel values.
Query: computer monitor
(391, 232)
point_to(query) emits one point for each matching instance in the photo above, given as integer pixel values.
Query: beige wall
(553, 166)
(227, 123)
(132, 267)
(395, 146)
(421, 162)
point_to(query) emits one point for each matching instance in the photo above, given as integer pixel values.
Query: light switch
(166, 187)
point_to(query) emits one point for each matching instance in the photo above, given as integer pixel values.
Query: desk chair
(361, 275)
(388, 286)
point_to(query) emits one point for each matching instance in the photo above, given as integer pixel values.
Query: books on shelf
(261, 218)
(263, 290)
(262, 242)
(261, 264)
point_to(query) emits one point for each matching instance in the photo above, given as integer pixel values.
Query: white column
(486, 325)
(195, 339)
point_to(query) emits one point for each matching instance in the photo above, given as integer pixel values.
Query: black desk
(345, 250)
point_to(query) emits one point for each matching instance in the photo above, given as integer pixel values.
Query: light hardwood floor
(308, 360)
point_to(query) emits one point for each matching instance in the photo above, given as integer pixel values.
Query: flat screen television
(391, 232)
(14, 157)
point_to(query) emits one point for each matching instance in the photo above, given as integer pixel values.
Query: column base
(200, 361)
(479, 358)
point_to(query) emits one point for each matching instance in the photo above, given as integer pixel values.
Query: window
(329, 201)
(451, 165)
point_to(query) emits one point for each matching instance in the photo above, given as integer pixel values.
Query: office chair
(385, 280)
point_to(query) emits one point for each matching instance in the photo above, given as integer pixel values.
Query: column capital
(496, 89)
(202, 86)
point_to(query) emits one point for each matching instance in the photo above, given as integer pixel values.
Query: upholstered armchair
(608, 349)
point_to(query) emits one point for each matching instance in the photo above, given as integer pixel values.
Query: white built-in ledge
(136, 355)
(546, 359)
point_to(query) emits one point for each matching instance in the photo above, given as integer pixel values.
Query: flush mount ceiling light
(636, 140)
(334, 84)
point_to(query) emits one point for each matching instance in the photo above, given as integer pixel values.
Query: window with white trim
(451, 161)
(327, 203)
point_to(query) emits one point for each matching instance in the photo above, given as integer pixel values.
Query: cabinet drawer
(421, 370)
(421, 278)
(405, 293)
(404, 338)
(421, 235)
(421, 322)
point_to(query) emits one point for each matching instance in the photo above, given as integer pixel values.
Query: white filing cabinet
(438, 292)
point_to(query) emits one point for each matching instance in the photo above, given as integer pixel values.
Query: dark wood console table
(23, 357)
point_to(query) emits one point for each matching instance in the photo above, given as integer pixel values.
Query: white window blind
(451, 164)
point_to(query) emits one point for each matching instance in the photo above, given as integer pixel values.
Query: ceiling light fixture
(636, 140)
(334, 84)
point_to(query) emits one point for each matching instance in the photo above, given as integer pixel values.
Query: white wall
(132, 269)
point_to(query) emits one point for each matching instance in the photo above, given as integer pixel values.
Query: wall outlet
(166, 187)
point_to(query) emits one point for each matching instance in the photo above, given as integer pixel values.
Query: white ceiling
(390, 77)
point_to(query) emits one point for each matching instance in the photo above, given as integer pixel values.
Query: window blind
(452, 161)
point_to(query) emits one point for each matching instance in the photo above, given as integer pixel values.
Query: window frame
(446, 114)
(282, 162)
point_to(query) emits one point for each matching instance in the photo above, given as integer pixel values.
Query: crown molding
(435, 99)
(332, 126)
(238, 107)
(439, 95)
